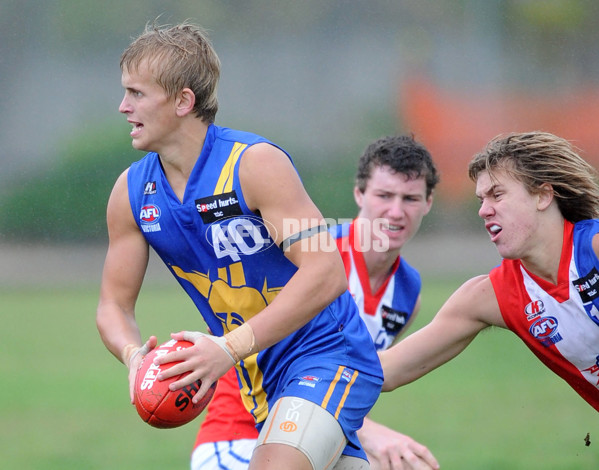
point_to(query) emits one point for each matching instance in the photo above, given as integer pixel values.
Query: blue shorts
(344, 392)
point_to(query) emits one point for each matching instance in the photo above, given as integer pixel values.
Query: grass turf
(64, 402)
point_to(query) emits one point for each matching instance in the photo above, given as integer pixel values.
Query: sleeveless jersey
(558, 322)
(385, 314)
(222, 254)
(388, 310)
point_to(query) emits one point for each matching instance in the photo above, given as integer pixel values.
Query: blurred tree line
(62, 197)
(67, 202)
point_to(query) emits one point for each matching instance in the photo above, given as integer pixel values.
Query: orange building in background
(454, 125)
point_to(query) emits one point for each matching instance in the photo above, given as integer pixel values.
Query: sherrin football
(155, 403)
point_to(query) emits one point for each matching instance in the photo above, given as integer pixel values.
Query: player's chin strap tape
(296, 237)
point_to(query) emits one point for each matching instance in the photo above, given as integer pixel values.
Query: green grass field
(64, 401)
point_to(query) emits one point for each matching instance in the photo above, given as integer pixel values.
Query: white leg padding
(308, 427)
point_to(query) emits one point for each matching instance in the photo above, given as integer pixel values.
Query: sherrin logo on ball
(156, 404)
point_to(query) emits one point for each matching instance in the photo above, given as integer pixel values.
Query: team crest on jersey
(149, 216)
(149, 188)
(545, 331)
(588, 286)
(218, 206)
(534, 309)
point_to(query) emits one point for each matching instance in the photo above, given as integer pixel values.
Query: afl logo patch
(545, 330)
(149, 214)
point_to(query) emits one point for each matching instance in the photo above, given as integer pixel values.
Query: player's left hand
(135, 359)
(208, 360)
(390, 450)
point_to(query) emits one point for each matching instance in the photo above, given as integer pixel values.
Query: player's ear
(545, 196)
(358, 196)
(185, 101)
(429, 204)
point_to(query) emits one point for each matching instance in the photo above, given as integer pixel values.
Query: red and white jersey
(387, 311)
(226, 418)
(551, 319)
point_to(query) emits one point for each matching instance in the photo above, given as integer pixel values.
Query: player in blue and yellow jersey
(217, 205)
(393, 190)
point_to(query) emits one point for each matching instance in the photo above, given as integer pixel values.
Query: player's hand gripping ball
(156, 404)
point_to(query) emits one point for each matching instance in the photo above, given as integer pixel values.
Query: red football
(156, 404)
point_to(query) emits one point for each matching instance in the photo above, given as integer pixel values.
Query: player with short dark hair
(540, 202)
(399, 154)
(217, 205)
(393, 190)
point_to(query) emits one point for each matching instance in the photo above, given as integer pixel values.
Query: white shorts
(223, 455)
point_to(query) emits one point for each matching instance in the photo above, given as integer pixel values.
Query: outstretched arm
(388, 449)
(469, 310)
